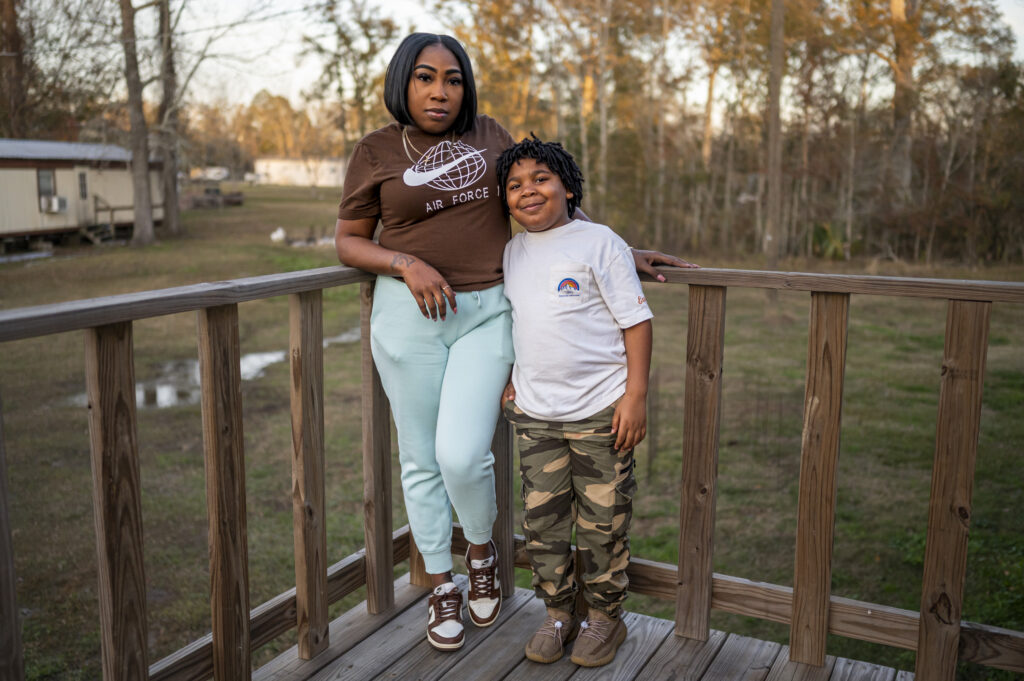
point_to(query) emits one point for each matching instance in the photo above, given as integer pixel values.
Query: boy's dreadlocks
(551, 154)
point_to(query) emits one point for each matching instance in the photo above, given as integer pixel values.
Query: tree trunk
(773, 237)
(725, 234)
(904, 100)
(12, 72)
(601, 90)
(169, 122)
(143, 233)
(705, 148)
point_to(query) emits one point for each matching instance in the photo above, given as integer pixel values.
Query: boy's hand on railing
(629, 424)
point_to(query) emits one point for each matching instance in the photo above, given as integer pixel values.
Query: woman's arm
(353, 240)
(646, 260)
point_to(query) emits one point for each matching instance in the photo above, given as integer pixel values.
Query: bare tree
(139, 131)
(168, 120)
(773, 233)
(12, 71)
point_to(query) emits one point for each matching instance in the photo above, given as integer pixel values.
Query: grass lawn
(887, 444)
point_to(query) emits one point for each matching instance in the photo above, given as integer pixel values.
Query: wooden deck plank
(392, 646)
(852, 670)
(743, 659)
(425, 663)
(492, 659)
(683, 658)
(374, 654)
(346, 632)
(643, 639)
(786, 669)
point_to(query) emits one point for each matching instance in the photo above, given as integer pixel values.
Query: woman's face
(435, 89)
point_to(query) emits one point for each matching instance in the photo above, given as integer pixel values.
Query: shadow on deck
(393, 645)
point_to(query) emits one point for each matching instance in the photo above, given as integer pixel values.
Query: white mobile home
(56, 187)
(309, 172)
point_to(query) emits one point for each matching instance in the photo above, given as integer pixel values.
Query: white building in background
(54, 187)
(311, 172)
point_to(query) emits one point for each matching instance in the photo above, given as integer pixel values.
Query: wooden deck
(393, 645)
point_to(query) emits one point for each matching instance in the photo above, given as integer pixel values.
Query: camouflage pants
(572, 473)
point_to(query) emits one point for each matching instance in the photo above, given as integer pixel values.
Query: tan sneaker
(444, 626)
(484, 596)
(599, 640)
(548, 644)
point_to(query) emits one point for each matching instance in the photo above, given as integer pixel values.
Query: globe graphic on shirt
(448, 165)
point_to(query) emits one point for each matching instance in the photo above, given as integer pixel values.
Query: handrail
(41, 320)
(808, 607)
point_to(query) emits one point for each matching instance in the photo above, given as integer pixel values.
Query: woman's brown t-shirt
(442, 206)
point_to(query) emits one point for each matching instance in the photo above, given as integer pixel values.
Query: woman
(440, 326)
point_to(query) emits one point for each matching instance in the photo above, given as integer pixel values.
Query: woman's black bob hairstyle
(396, 81)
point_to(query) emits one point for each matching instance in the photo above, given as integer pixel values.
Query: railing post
(819, 458)
(503, 531)
(12, 665)
(702, 406)
(949, 508)
(117, 502)
(380, 559)
(220, 374)
(310, 531)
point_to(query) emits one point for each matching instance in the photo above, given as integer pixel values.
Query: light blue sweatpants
(444, 382)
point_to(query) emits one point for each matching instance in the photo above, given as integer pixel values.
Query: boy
(582, 336)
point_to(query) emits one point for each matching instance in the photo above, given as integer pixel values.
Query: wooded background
(890, 128)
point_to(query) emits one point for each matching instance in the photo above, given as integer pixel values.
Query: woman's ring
(446, 288)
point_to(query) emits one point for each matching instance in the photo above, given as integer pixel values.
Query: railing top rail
(910, 287)
(41, 320)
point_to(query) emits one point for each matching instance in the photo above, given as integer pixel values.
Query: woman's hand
(646, 260)
(508, 394)
(429, 289)
(354, 242)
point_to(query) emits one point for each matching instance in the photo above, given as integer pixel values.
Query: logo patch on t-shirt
(447, 166)
(568, 288)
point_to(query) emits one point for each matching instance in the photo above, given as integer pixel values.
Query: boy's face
(536, 196)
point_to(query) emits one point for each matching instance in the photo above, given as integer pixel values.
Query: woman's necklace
(407, 143)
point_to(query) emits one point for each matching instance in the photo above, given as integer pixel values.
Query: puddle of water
(178, 384)
(19, 257)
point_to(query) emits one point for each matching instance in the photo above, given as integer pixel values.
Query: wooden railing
(935, 632)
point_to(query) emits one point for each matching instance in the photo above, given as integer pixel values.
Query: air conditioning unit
(53, 204)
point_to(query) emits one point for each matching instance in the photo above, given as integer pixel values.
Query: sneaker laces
(552, 627)
(482, 578)
(595, 629)
(447, 604)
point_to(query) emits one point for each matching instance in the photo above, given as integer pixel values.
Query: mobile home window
(47, 182)
(83, 188)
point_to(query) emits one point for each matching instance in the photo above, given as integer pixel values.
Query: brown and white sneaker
(548, 644)
(484, 596)
(444, 626)
(599, 639)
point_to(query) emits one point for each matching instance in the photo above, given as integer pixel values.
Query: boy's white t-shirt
(573, 289)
